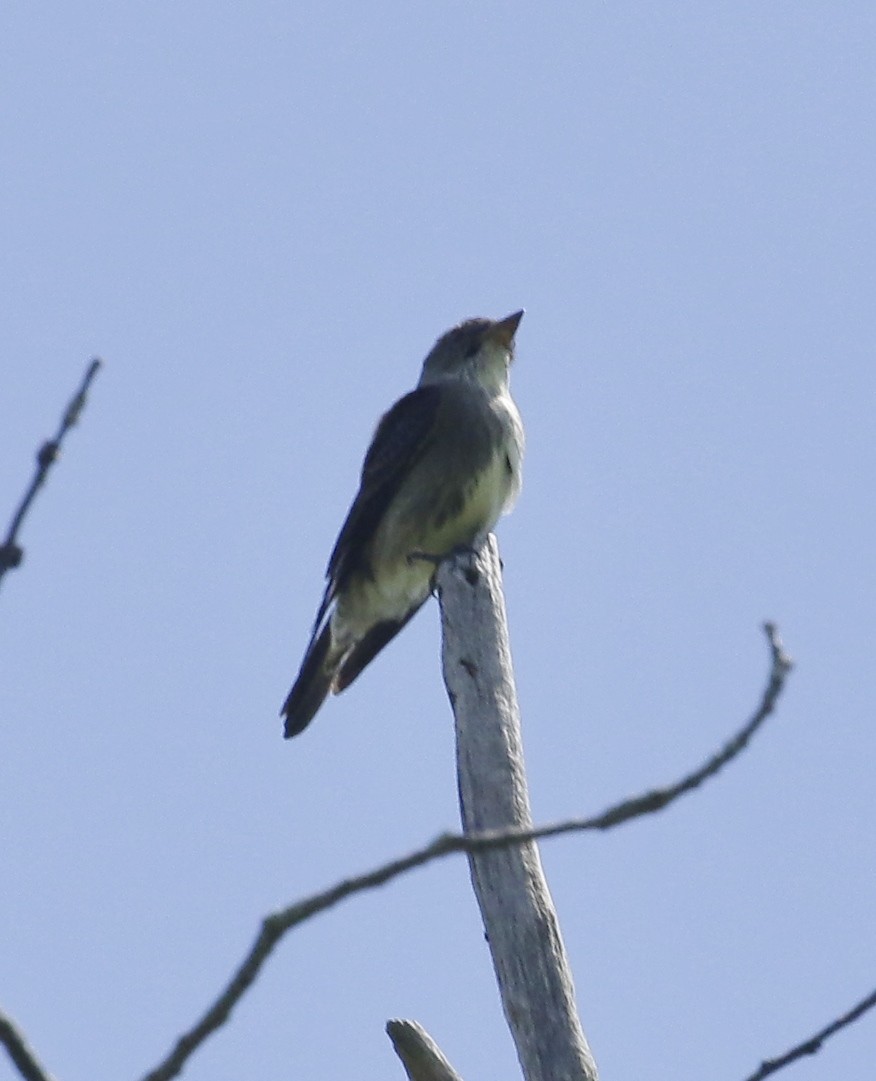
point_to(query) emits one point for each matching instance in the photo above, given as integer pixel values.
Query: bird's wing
(400, 440)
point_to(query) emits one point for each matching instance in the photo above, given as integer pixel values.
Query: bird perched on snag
(444, 464)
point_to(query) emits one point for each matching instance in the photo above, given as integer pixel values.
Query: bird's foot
(436, 560)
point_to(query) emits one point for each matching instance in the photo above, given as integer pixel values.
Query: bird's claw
(436, 560)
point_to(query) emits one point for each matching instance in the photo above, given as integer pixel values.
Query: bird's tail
(312, 685)
(324, 669)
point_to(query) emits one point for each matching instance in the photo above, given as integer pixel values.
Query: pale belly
(400, 579)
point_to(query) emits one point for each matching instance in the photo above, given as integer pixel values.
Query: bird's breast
(468, 475)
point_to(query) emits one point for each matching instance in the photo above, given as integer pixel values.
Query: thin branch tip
(780, 658)
(11, 553)
(813, 1044)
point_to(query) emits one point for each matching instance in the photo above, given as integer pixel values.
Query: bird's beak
(503, 330)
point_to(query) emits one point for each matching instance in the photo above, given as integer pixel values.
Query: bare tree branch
(11, 554)
(420, 1055)
(813, 1044)
(275, 926)
(22, 1056)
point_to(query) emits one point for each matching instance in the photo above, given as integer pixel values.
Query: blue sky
(262, 216)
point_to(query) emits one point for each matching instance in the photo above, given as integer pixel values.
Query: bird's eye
(473, 349)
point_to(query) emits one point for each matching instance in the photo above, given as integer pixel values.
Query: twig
(813, 1044)
(11, 554)
(19, 1052)
(275, 926)
(659, 798)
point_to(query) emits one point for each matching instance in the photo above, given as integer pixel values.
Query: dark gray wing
(402, 436)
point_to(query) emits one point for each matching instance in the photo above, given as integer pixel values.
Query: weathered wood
(420, 1055)
(523, 933)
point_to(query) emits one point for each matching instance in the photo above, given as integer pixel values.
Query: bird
(443, 465)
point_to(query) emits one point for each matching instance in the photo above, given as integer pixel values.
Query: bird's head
(478, 349)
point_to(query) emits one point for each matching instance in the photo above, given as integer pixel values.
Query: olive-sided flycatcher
(444, 463)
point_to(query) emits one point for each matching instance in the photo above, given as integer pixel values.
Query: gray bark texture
(420, 1055)
(535, 982)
